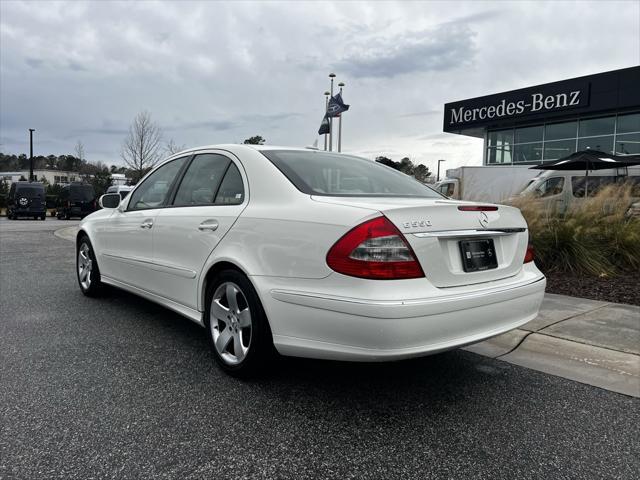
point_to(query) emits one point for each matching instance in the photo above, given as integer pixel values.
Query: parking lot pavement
(119, 387)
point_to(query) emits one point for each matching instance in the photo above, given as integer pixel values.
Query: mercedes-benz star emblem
(483, 218)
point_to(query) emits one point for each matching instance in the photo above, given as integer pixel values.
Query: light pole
(331, 76)
(341, 84)
(326, 107)
(31, 130)
(438, 175)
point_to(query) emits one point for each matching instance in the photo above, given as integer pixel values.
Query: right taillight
(376, 250)
(529, 255)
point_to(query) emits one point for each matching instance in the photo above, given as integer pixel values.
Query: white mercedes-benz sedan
(313, 254)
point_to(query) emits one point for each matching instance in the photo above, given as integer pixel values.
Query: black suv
(26, 199)
(76, 200)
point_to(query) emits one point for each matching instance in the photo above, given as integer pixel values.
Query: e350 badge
(416, 223)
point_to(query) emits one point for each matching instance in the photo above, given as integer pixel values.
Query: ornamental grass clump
(595, 236)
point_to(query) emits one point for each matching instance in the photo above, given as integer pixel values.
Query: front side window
(153, 192)
(201, 181)
(330, 174)
(552, 186)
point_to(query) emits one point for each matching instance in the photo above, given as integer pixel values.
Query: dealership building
(543, 123)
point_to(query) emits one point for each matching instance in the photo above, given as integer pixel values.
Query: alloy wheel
(230, 321)
(85, 266)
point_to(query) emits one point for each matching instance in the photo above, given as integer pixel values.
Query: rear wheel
(237, 326)
(87, 268)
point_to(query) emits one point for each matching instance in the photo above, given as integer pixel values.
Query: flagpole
(341, 84)
(326, 107)
(331, 76)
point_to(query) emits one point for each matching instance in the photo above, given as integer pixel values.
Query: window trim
(190, 156)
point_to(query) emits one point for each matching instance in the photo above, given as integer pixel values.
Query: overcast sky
(213, 72)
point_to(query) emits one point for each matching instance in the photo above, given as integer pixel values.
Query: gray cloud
(218, 72)
(442, 48)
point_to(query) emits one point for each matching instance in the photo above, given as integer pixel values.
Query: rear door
(209, 199)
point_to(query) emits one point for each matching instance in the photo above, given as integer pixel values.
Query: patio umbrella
(590, 160)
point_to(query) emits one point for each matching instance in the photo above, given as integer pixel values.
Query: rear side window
(330, 174)
(231, 191)
(153, 192)
(201, 181)
(593, 184)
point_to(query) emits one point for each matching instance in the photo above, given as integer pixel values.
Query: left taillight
(375, 250)
(529, 255)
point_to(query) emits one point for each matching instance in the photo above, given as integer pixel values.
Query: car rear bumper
(320, 325)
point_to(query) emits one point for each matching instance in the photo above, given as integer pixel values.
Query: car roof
(238, 147)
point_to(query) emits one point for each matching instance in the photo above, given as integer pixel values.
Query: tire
(225, 329)
(43, 217)
(89, 283)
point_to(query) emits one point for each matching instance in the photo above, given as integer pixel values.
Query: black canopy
(591, 160)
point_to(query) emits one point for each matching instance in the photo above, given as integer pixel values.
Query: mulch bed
(624, 288)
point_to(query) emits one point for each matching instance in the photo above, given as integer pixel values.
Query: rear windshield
(81, 193)
(30, 192)
(330, 174)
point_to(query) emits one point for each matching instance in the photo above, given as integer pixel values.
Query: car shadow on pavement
(450, 375)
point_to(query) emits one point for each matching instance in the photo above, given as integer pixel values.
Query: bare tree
(79, 151)
(141, 148)
(172, 148)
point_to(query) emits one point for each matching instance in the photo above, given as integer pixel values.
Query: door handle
(147, 224)
(208, 225)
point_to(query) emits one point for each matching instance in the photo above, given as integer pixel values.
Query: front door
(126, 239)
(207, 202)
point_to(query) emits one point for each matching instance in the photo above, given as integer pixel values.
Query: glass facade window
(628, 144)
(529, 134)
(603, 144)
(499, 155)
(591, 127)
(527, 152)
(559, 148)
(613, 134)
(500, 138)
(628, 123)
(558, 131)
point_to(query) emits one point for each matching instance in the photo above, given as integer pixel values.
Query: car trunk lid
(435, 228)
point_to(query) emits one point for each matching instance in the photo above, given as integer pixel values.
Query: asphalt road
(118, 387)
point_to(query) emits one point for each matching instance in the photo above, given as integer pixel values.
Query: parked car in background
(489, 183)
(26, 199)
(317, 254)
(123, 190)
(76, 199)
(558, 189)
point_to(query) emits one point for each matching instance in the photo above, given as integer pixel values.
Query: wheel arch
(211, 273)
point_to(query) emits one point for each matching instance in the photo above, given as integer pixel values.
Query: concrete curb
(67, 233)
(591, 342)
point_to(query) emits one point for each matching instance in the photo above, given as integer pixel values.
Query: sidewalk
(596, 343)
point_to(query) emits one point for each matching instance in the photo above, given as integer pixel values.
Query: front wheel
(238, 328)
(87, 269)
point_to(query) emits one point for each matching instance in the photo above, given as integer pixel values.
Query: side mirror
(109, 200)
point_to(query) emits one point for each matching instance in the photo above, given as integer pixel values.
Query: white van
(559, 188)
(123, 190)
